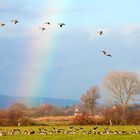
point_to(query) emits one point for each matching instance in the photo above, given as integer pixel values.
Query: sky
(66, 62)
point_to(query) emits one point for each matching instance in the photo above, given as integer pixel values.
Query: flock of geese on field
(43, 28)
(70, 130)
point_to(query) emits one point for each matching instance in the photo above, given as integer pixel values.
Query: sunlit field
(73, 133)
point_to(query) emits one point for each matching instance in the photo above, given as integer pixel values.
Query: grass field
(77, 136)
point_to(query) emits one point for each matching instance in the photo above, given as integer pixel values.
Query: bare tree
(90, 97)
(121, 87)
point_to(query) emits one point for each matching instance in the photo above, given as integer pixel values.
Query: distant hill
(6, 101)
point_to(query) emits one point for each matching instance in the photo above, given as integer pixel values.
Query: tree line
(122, 90)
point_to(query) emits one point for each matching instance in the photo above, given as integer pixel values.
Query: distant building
(77, 112)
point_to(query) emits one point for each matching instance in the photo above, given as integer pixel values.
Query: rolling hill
(6, 101)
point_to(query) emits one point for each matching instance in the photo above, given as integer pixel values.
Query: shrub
(82, 120)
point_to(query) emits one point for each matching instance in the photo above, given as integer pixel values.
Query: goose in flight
(2, 24)
(47, 23)
(106, 54)
(61, 24)
(14, 21)
(42, 28)
(100, 33)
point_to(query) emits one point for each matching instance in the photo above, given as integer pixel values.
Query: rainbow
(41, 51)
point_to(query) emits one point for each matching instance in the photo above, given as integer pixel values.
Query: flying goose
(42, 28)
(47, 23)
(106, 54)
(14, 21)
(100, 33)
(61, 24)
(2, 24)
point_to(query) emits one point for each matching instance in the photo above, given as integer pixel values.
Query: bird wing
(109, 55)
(104, 52)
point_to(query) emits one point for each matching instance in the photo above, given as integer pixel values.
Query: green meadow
(77, 136)
(71, 137)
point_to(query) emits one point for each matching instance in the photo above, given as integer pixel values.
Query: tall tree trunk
(124, 107)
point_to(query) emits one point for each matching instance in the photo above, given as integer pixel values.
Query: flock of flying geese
(48, 23)
(60, 25)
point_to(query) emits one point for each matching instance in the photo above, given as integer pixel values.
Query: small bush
(25, 122)
(82, 120)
